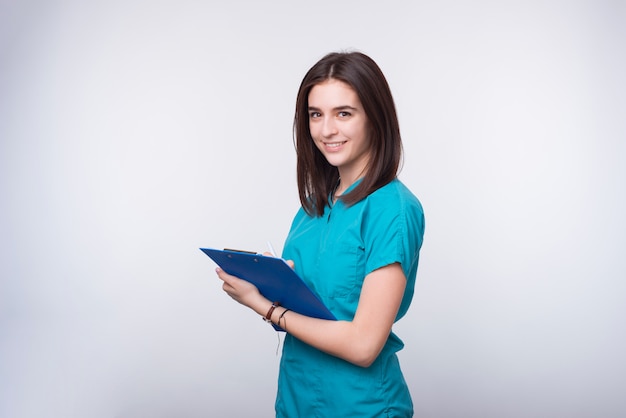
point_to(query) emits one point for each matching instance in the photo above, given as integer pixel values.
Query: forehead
(333, 93)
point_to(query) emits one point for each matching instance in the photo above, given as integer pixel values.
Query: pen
(269, 244)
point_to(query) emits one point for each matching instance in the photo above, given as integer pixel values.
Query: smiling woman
(361, 262)
(339, 128)
(338, 81)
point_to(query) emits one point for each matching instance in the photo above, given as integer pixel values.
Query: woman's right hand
(245, 292)
(240, 290)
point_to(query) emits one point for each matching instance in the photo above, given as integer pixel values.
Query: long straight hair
(317, 178)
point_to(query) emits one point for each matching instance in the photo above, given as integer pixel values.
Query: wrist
(260, 305)
(268, 316)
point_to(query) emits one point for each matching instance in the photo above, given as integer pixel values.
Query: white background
(133, 132)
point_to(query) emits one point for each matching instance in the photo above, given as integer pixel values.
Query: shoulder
(393, 227)
(395, 195)
(395, 204)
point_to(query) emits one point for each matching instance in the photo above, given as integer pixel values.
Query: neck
(346, 180)
(344, 185)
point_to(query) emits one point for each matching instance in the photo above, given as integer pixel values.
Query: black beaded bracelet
(281, 317)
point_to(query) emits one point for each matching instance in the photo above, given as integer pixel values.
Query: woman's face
(339, 127)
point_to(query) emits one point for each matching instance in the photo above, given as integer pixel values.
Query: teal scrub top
(333, 254)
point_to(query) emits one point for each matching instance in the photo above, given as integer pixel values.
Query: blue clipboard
(274, 278)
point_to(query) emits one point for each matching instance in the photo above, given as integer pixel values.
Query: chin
(335, 162)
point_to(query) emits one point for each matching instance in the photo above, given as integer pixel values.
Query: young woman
(355, 242)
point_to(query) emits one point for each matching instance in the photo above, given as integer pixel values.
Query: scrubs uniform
(333, 254)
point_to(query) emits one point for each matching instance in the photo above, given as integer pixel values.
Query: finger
(231, 283)
(291, 263)
(222, 274)
(225, 277)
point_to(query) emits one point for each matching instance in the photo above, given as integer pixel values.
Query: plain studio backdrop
(134, 132)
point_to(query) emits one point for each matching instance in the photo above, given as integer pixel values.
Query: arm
(358, 341)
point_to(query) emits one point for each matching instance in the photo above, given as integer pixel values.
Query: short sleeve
(393, 232)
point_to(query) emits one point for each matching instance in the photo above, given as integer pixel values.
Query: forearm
(358, 341)
(338, 338)
(344, 339)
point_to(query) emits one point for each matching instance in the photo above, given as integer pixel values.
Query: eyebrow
(336, 109)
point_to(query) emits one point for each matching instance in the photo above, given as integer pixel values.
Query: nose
(329, 128)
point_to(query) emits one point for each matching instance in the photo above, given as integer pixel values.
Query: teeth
(335, 144)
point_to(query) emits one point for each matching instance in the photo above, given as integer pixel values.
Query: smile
(334, 144)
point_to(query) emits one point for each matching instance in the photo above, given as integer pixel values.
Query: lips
(334, 145)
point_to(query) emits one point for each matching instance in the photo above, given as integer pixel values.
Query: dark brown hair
(316, 177)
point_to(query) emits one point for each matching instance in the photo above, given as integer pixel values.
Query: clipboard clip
(240, 251)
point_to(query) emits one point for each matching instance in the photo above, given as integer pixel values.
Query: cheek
(314, 131)
(314, 135)
(360, 134)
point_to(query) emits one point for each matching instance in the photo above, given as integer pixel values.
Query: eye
(343, 114)
(314, 115)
